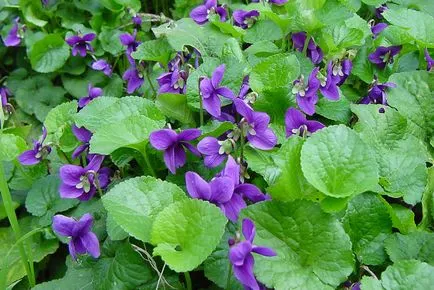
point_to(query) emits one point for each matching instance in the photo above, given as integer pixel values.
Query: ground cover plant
(280, 144)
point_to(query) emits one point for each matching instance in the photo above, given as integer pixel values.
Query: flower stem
(369, 271)
(243, 142)
(188, 280)
(97, 185)
(306, 43)
(201, 111)
(421, 59)
(151, 85)
(148, 163)
(10, 211)
(200, 103)
(228, 283)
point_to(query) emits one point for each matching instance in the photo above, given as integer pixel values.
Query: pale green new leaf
(135, 203)
(108, 110)
(11, 146)
(186, 232)
(131, 132)
(338, 163)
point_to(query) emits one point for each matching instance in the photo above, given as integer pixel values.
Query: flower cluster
(227, 189)
(37, 153)
(224, 190)
(241, 18)
(175, 80)
(306, 91)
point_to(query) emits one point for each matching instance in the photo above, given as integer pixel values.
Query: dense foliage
(283, 144)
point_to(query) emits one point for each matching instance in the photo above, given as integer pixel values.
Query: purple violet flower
(4, 94)
(384, 55)
(255, 126)
(429, 61)
(341, 71)
(201, 13)
(275, 2)
(356, 286)
(37, 153)
(214, 150)
(328, 86)
(83, 135)
(245, 19)
(173, 82)
(197, 57)
(82, 183)
(93, 93)
(306, 94)
(225, 190)
(228, 112)
(247, 191)
(134, 79)
(177, 61)
(129, 40)
(379, 11)
(297, 124)
(81, 44)
(13, 38)
(210, 90)
(82, 239)
(377, 93)
(174, 145)
(377, 29)
(137, 20)
(240, 255)
(104, 66)
(313, 52)
(245, 87)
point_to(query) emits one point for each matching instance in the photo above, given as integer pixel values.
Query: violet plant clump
(266, 144)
